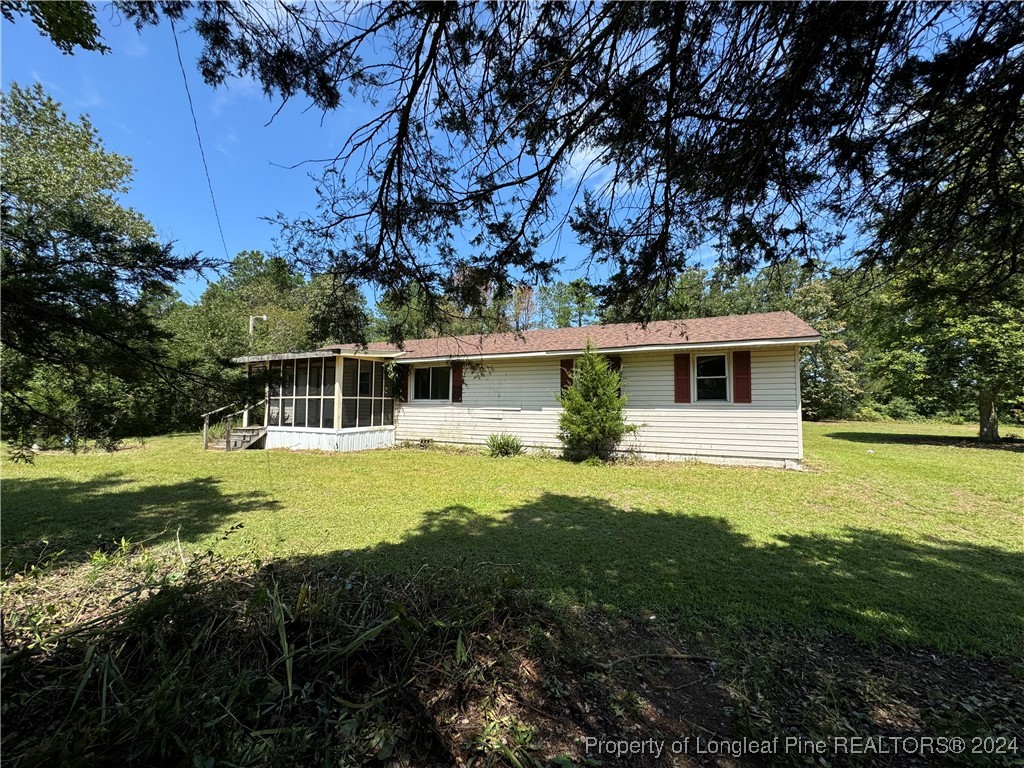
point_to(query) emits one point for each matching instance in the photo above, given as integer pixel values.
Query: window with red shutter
(682, 378)
(741, 392)
(457, 382)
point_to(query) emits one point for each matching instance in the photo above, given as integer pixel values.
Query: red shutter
(682, 378)
(741, 377)
(567, 366)
(457, 382)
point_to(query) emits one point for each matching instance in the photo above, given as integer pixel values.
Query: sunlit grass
(895, 531)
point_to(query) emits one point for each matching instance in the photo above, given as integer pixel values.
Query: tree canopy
(81, 273)
(765, 131)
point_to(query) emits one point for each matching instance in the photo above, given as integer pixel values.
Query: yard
(896, 532)
(903, 537)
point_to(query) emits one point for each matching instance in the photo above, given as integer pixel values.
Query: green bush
(503, 444)
(592, 421)
(901, 409)
(870, 412)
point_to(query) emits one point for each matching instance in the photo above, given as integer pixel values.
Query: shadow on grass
(899, 438)
(80, 516)
(872, 584)
(336, 650)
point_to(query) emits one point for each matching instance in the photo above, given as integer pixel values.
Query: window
(712, 380)
(301, 393)
(366, 394)
(432, 383)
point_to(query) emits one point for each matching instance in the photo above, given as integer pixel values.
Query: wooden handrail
(249, 407)
(229, 417)
(222, 408)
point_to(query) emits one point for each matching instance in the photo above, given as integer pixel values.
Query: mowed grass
(906, 532)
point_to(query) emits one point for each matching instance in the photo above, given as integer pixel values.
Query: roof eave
(344, 352)
(789, 342)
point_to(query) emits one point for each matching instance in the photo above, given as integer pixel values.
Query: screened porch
(327, 401)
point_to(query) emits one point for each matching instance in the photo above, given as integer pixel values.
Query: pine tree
(592, 421)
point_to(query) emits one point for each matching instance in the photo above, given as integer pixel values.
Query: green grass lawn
(906, 532)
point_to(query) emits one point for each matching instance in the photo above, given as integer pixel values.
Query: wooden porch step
(243, 438)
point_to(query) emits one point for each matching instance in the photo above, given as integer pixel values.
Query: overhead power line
(199, 138)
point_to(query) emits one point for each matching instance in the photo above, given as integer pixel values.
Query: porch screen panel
(365, 378)
(327, 410)
(316, 378)
(274, 395)
(366, 394)
(348, 377)
(348, 413)
(288, 378)
(301, 393)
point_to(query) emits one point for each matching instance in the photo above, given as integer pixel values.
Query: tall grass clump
(504, 445)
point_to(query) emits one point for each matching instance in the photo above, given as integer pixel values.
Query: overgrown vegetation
(592, 422)
(215, 662)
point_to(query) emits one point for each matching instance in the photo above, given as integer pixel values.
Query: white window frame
(728, 378)
(415, 399)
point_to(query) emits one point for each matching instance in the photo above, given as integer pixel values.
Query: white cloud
(51, 87)
(585, 166)
(134, 47)
(88, 94)
(233, 91)
(225, 141)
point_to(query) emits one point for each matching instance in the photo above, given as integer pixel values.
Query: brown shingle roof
(768, 326)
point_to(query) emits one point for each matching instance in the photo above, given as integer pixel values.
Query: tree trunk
(989, 432)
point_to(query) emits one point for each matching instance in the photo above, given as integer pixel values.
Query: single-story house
(720, 389)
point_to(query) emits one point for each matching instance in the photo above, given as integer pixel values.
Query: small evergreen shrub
(503, 445)
(592, 423)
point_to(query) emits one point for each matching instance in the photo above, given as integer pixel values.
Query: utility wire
(199, 138)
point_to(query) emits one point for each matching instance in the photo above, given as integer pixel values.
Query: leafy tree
(830, 371)
(79, 273)
(68, 24)
(942, 354)
(411, 314)
(759, 130)
(592, 423)
(565, 304)
(300, 314)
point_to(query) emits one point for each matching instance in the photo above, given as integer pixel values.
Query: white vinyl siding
(519, 397)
